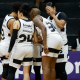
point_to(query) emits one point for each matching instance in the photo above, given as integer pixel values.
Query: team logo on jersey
(25, 26)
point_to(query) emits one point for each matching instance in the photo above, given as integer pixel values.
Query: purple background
(73, 57)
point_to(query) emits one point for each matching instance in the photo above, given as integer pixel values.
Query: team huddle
(36, 41)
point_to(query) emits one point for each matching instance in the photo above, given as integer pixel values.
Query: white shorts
(54, 43)
(63, 55)
(3, 51)
(37, 59)
(21, 55)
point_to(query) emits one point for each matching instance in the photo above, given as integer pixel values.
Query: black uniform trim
(26, 20)
(2, 58)
(8, 21)
(62, 16)
(62, 29)
(53, 50)
(60, 56)
(66, 44)
(20, 24)
(27, 59)
(17, 61)
(37, 59)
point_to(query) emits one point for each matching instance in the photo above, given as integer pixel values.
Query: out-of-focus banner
(72, 68)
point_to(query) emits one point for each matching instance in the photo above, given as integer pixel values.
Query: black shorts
(60, 70)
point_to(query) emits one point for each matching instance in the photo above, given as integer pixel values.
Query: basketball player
(37, 60)
(6, 33)
(22, 52)
(52, 44)
(58, 19)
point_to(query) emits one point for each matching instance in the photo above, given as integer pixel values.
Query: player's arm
(60, 23)
(62, 18)
(37, 22)
(35, 36)
(16, 26)
(40, 41)
(10, 26)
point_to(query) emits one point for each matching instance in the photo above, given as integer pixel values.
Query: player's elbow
(61, 26)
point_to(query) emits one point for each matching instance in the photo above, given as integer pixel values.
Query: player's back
(5, 31)
(49, 27)
(25, 33)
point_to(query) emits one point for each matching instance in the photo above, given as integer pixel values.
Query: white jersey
(62, 32)
(5, 31)
(37, 52)
(64, 51)
(25, 33)
(78, 45)
(49, 27)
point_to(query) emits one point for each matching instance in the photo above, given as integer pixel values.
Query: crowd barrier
(72, 68)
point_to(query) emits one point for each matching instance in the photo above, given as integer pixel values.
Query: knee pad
(5, 71)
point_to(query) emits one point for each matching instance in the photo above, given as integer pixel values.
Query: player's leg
(53, 73)
(5, 72)
(11, 73)
(63, 72)
(54, 43)
(60, 66)
(60, 71)
(37, 61)
(48, 65)
(37, 72)
(5, 62)
(15, 61)
(27, 61)
(57, 68)
(26, 70)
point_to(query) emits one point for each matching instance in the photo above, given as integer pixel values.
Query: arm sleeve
(74, 45)
(14, 37)
(62, 16)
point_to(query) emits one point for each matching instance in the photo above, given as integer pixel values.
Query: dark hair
(24, 9)
(16, 6)
(33, 6)
(50, 4)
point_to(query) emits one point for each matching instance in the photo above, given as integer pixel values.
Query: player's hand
(46, 51)
(7, 55)
(51, 11)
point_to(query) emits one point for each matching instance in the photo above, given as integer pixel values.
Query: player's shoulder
(62, 14)
(16, 21)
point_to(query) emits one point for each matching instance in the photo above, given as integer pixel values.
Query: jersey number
(2, 34)
(51, 27)
(24, 38)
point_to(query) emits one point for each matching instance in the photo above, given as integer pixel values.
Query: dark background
(70, 7)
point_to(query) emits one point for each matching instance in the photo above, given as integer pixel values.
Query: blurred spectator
(76, 44)
(38, 2)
